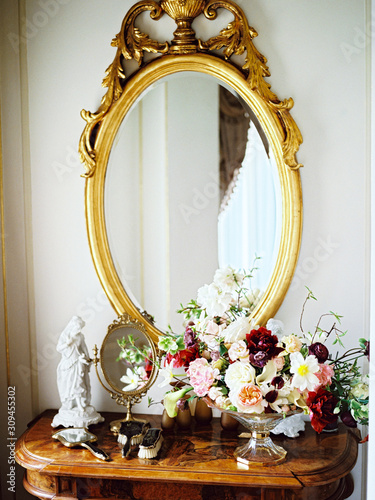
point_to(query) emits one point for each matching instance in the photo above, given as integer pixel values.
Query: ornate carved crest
(235, 39)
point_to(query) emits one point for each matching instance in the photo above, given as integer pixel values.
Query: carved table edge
(325, 474)
(224, 479)
(26, 459)
(36, 491)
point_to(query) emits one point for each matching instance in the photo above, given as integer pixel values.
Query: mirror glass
(191, 185)
(126, 356)
(75, 435)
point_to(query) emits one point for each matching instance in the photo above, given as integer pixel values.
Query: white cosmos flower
(238, 374)
(167, 373)
(131, 379)
(213, 299)
(237, 330)
(304, 371)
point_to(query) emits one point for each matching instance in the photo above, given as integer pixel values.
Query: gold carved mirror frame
(213, 57)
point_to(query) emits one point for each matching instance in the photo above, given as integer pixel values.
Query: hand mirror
(127, 360)
(80, 436)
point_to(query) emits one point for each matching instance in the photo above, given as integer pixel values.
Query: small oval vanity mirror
(128, 363)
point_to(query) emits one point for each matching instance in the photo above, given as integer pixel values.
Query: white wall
(318, 54)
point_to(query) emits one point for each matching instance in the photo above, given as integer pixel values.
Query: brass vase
(183, 419)
(203, 414)
(167, 422)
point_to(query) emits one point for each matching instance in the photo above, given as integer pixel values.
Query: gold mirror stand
(122, 399)
(125, 398)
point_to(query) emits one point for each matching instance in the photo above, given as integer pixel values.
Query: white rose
(223, 402)
(239, 373)
(213, 299)
(237, 330)
(228, 279)
(238, 350)
(214, 393)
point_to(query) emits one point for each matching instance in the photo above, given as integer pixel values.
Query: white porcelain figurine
(73, 379)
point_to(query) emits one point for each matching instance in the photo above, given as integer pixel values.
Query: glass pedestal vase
(260, 449)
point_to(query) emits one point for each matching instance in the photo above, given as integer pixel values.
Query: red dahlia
(321, 405)
(262, 346)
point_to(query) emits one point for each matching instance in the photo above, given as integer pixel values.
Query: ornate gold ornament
(236, 39)
(185, 52)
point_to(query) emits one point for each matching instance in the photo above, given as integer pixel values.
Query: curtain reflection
(234, 126)
(249, 225)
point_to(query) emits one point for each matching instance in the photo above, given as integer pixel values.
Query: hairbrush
(131, 432)
(151, 443)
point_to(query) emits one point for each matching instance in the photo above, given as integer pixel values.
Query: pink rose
(279, 362)
(324, 375)
(202, 376)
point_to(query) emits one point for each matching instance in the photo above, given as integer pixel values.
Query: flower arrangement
(250, 369)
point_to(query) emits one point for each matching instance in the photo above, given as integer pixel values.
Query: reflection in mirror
(127, 359)
(190, 186)
(80, 436)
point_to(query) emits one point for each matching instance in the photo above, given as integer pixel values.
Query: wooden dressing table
(192, 464)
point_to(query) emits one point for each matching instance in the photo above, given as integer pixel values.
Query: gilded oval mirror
(155, 197)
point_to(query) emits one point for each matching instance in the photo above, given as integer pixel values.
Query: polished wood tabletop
(196, 463)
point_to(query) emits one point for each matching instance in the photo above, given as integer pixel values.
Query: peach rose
(248, 398)
(292, 343)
